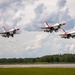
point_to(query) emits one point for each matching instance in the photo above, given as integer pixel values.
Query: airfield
(38, 69)
(38, 66)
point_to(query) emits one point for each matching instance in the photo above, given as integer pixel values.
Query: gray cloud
(16, 7)
(49, 46)
(22, 45)
(34, 25)
(59, 15)
(8, 12)
(61, 3)
(10, 8)
(7, 4)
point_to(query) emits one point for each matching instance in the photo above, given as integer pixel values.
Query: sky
(29, 16)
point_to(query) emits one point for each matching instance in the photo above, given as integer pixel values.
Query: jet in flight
(67, 35)
(55, 27)
(9, 33)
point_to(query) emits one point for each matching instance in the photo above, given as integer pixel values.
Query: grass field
(37, 71)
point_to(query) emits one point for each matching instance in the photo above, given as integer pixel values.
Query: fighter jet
(67, 35)
(9, 33)
(55, 27)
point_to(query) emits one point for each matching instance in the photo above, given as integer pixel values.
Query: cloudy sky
(29, 16)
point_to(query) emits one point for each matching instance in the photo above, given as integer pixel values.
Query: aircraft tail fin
(4, 29)
(64, 31)
(47, 25)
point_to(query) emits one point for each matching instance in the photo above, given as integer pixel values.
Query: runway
(39, 66)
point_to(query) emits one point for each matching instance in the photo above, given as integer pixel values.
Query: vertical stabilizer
(4, 29)
(46, 24)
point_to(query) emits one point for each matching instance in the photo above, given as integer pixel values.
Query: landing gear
(12, 35)
(51, 31)
(68, 36)
(56, 30)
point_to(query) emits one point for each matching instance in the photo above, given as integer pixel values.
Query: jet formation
(48, 28)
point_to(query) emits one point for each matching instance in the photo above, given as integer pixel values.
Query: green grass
(37, 71)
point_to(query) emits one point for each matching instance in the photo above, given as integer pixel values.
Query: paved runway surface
(39, 65)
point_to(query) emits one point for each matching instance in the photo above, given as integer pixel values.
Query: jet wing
(17, 33)
(62, 35)
(66, 35)
(3, 32)
(45, 27)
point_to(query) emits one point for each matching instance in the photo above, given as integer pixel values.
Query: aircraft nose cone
(64, 23)
(18, 29)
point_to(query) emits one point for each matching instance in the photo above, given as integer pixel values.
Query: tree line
(65, 58)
